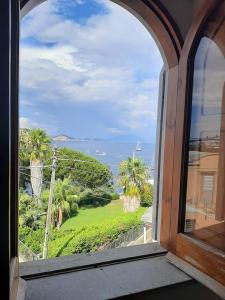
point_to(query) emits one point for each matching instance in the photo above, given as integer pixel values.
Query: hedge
(90, 238)
(83, 239)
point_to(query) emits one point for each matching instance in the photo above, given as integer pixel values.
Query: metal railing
(25, 253)
(125, 239)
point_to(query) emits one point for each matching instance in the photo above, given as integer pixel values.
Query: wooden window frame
(204, 257)
(153, 16)
(179, 66)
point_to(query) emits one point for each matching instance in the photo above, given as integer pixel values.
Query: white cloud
(115, 131)
(110, 58)
(29, 123)
(24, 122)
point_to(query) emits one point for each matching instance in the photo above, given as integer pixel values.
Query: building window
(207, 183)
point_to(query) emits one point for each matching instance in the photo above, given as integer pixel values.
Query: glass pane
(205, 203)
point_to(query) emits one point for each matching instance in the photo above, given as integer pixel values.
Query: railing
(25, 254)
(125, 239)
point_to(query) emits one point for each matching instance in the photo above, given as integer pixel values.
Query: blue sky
(88, 68)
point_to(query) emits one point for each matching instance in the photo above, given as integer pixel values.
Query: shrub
(147, 196)
(33, 239)
(83, 239)
(115, 196)
(90, 238)
(91, 198)
(30, 214)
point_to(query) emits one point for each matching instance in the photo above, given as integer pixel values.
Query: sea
(113, 153)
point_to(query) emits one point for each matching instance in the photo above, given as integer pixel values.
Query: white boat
(102, 153)
(138, 147)
(98, 152)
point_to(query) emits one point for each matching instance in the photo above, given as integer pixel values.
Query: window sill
(125, 273)
(72, 263)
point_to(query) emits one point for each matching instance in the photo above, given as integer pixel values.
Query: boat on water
(138, 147)
(98, 152)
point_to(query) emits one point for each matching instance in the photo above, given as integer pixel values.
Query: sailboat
(138, 147)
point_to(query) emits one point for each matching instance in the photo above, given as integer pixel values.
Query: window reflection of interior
(205, 198)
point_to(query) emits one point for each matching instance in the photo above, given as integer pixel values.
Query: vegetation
(35, 147)
(147, 195)
(30, 213)
(96, 216)
(134, 179)
(92, 237)
(86, 232)
(65, 201)
(83, 218)
(85, 171)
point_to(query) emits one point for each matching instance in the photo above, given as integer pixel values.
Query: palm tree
(38, 147)
(133, 177)
(65, 200)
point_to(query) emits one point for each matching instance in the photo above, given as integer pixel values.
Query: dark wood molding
(14, 137)
(14, 128)
(5, 57)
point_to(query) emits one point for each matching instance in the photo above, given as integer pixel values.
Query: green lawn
(95, 216)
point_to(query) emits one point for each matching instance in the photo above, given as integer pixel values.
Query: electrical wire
(28, 175)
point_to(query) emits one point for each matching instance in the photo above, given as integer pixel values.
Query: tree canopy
(34, 144)
(134, 179)
(83, 170)
(133, 175)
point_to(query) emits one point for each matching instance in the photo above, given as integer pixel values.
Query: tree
(65, 201)
(35, 145)
(133, 178)
(30, 214)
(84, 170)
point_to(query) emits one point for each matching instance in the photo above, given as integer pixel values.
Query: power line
(92, 162)
(40, 166)
(111, 165)
(68, 168)
(28, 175)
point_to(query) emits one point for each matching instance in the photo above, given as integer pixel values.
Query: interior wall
(182, 20)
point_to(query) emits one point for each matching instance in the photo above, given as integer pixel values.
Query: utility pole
(50, 199)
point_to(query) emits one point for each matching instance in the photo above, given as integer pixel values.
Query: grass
(96, 216)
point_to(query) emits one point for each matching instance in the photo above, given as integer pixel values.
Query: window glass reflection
(205, 203)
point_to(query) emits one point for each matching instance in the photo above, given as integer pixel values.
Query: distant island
(62, 138)
(66, 138)
(121, 138)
